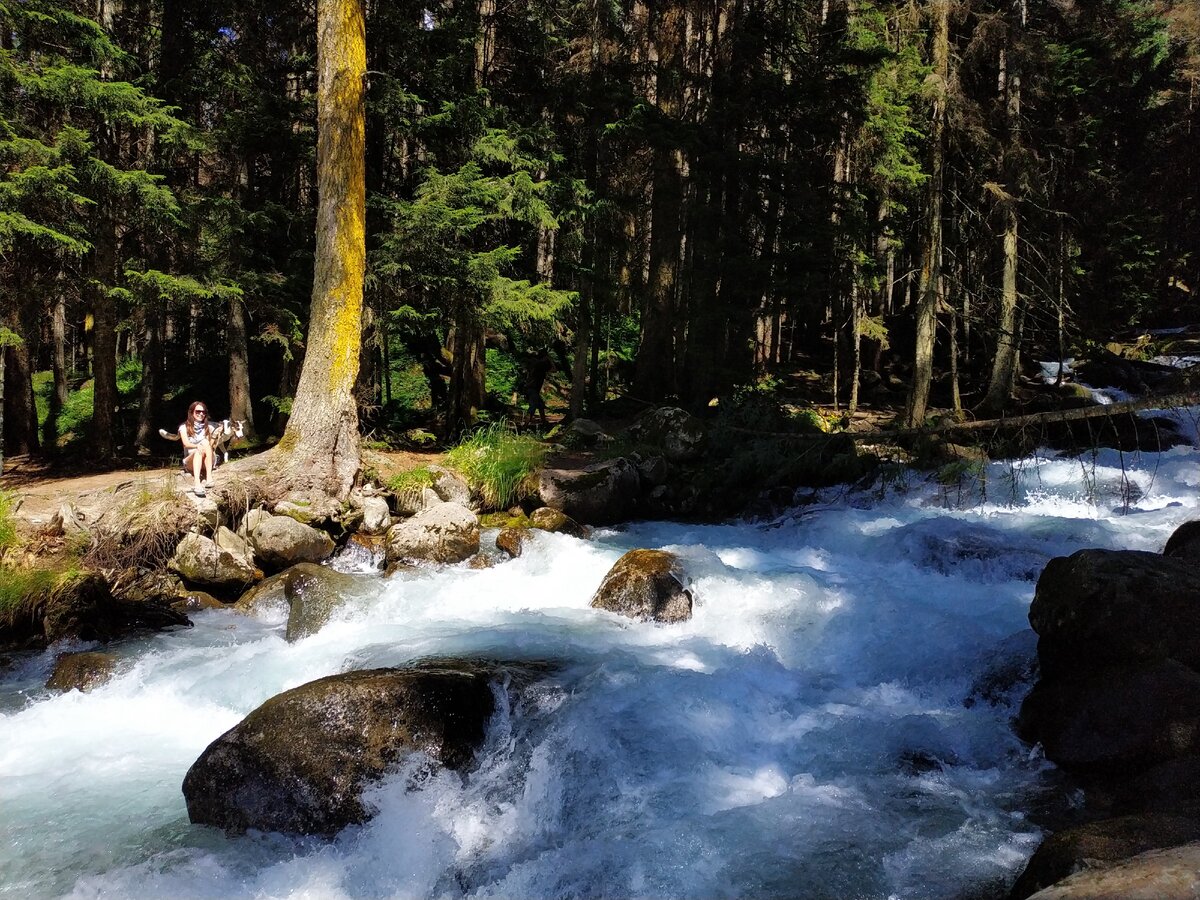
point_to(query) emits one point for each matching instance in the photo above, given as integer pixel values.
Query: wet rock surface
(300, 761)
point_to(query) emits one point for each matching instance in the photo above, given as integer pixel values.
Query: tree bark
(240, 407)
(655, 366)
(320, 448)
(1004, 363)
(152, 364)
(58, 364)
(931, 253)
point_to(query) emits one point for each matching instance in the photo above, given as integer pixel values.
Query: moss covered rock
(648, 585)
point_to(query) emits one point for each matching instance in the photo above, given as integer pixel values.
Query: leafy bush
(410, 389)
(502, 374)
(498, 463)
(76, 415)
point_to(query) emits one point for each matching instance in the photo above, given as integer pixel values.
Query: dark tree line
(678, 198)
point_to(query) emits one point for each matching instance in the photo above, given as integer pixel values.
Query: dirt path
(42, 488)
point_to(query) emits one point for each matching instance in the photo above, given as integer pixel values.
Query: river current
(834, 722)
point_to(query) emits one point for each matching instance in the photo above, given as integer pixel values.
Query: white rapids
(817, 730)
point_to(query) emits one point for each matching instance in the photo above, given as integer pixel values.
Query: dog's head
(237, 429)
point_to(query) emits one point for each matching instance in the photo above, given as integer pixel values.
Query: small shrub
(498, 463)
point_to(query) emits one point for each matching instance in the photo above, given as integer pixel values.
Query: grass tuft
(498, 463)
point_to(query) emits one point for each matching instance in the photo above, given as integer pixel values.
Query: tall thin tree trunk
(152, 364)
(1004, 363)
(654, 374)
(58, 364)
(466, 340)
(930, 284)
(240, 407)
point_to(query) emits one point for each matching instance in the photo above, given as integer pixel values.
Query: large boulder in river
(1184, 544)
(281, 541)
(299, 763)
(600, 494)
(1102, 606)
(1115, 721)
(646, 585)
(310, 593)
(443, 533)
(1169, 874)
(1099, 845)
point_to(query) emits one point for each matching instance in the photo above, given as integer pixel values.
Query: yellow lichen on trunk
(322, 433)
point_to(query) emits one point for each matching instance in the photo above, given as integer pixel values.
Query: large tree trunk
(931, 253)
(467, 371)
(320, 449)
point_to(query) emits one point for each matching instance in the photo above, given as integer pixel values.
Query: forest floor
(43, 485)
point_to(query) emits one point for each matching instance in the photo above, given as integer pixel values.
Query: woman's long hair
(191, 419)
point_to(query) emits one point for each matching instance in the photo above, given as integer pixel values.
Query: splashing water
(833, 722)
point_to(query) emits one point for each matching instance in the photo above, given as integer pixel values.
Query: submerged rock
(81, 671)
(557, 522)
(300, 762)
(311, 593)
(646, 585)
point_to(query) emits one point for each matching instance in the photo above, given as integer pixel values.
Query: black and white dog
(220, 434)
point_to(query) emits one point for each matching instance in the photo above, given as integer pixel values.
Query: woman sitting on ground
(198, 455)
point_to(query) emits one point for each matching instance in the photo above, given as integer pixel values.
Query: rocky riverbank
(1117, 707)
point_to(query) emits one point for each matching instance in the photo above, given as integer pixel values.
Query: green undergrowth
(498, 463)
(21, 585)
(411, 482)
(8, 520)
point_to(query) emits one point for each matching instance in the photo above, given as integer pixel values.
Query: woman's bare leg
(197, 461)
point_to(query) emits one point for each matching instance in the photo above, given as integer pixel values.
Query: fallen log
(1054, 416)
(1003, 423)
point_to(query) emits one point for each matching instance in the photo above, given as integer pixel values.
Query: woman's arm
(188, 442)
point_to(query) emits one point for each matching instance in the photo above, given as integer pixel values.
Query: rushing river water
(818, 730)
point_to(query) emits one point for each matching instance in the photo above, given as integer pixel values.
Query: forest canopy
(675, 200)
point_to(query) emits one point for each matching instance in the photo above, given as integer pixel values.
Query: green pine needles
(498, 463)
